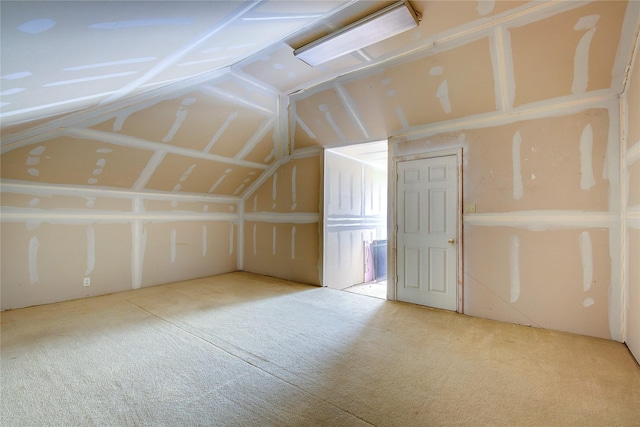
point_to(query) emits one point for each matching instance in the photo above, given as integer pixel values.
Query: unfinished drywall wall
(355, 195)
(631, 132)
(538, 122)
(439, 19)
(54, 237)
(146, 194)
(541, 247)
(281, 221)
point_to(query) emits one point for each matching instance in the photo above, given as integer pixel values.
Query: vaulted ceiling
(203, 97)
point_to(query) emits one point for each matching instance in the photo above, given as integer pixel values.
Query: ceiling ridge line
(177, 55)
(96, 114)
(264, 86)
(218, 93)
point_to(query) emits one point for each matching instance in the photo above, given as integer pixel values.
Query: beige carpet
(244, 350)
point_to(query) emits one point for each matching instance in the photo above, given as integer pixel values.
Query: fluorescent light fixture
(381, 25)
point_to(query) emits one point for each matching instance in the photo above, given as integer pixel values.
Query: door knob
(451, 241)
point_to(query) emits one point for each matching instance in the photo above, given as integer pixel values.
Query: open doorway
(355, 218)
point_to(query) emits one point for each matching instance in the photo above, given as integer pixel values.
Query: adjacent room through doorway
(355, 218)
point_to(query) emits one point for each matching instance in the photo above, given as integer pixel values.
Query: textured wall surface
(224, 172)
(533, 101)
(355, 196)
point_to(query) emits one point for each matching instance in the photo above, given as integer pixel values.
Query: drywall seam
(220, 131)
(46, 190)
(517, 174)
(549, 108)
(632, 153)
(259, 84)
(581, 55)
(181, 116)
(241, 231)
(148, 170)
(130, 141)
(273, 240)
(255, 241)
(293, 242)
(231, 225)
(204, 240)
(8, 146)
(60, 216)
(262, 178)
(34, 245)
(99, 113)
(530, 12)
(627, 48)
(586, 255)
(281, 143)
(624, 200)
(443, 96)
(402, 118)
(172, 245)
(91, 250)
(613, 169)
(352, 110)
(255, 138)
(586, 163)
(545, 12)
(172, 59)
(294, 193)
(502, 61)
(304, 126)
(233, 98)
(138, 233)
(332, 123)
(514, 268)
(542, 220)
(280, 218)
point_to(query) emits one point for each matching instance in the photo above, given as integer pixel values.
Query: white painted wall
(355, 198)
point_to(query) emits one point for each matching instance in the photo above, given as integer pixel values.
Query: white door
(427, 217)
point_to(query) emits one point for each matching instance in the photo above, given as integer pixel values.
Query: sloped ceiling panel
(208, 140)
(68, 160)
(81, 54)
(179, 173)
(440, 19)
(444, 86)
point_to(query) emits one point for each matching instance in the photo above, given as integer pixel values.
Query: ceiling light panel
(381, 25)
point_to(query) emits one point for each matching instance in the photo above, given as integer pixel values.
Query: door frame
(392, 220)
